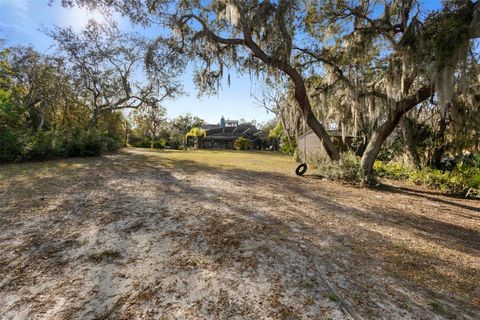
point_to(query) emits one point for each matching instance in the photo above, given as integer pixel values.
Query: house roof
(210, 126)
(237, 131)
(219, 138)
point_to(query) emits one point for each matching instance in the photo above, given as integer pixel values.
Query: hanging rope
(302, 168)
(305, 140)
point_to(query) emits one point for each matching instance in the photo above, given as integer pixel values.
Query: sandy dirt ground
(165, 235)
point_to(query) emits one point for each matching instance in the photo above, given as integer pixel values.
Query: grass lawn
(264, 161)
(145, 234)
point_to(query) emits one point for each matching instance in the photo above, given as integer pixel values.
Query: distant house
(223, 135)
(313, 143)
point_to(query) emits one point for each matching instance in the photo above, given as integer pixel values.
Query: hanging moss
(446, 38)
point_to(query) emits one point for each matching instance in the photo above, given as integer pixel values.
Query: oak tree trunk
(373, 147)
(409, 142)
(312, 121)
(93, 120)
(383, 131)
(440, 140)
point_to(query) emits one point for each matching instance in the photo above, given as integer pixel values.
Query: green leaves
(196, 132)
(242, 143)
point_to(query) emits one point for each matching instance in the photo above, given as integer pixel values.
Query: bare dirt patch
(215, 235)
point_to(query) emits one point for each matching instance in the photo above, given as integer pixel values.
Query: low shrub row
(144, 142)
(16, 145)
(348, 169)
(463, 180)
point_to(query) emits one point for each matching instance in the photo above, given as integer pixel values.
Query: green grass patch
(261, 161)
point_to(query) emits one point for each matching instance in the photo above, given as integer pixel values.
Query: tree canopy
(360, 64)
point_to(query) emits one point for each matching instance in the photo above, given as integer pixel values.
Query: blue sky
(21, 21)
(20, 24)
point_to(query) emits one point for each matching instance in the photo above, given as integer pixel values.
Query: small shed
(314, 145)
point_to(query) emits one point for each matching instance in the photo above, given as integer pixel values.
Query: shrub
(53, 144)
(391, 170)
(84, 143)
(174, 144)
(138, 141)
(471, 160)
(160, 144)
(10, 145)
(348, 169)
(296, 155)
(144, 142)
(43, 145)
(389, 153)
(242, 143)
(288, 146)
(463, 180)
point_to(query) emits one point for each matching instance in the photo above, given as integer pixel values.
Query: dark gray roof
(243, 130)
(210, 126)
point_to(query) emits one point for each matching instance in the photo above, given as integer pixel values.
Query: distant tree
(290, 120)
(185, 122)
(249, 123)
(275, 133)
(196, 133)
(149, 121)
(108, 64)
(254, 36)
(40, 87)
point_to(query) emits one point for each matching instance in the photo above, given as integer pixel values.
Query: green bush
(84, 143)
(242, 143)
(54, 144)
(472, 160)
(348, 169)
(389, 153)
(464, 180)
(10, 145)
(160, 144)
(139, 141)
(173, 144)
(42, 146)
(287, 146)
(391, 170)
(296, 155)
(145, 142)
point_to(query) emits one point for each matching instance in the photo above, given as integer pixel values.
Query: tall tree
(256, 36)
(187, 121)
(382, 63)
(150, 120)
(109, 69)
(379, 50)
(39, 85)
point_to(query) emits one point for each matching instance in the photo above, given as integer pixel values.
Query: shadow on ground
(139, 235)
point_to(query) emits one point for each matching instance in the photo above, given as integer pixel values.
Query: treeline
(41, 114)
(67, 106)
(380, 71)
(74, 102)
(149, 128)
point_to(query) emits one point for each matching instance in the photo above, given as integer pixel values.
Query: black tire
(301, 169)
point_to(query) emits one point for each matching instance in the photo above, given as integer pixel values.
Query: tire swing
(302, 168)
